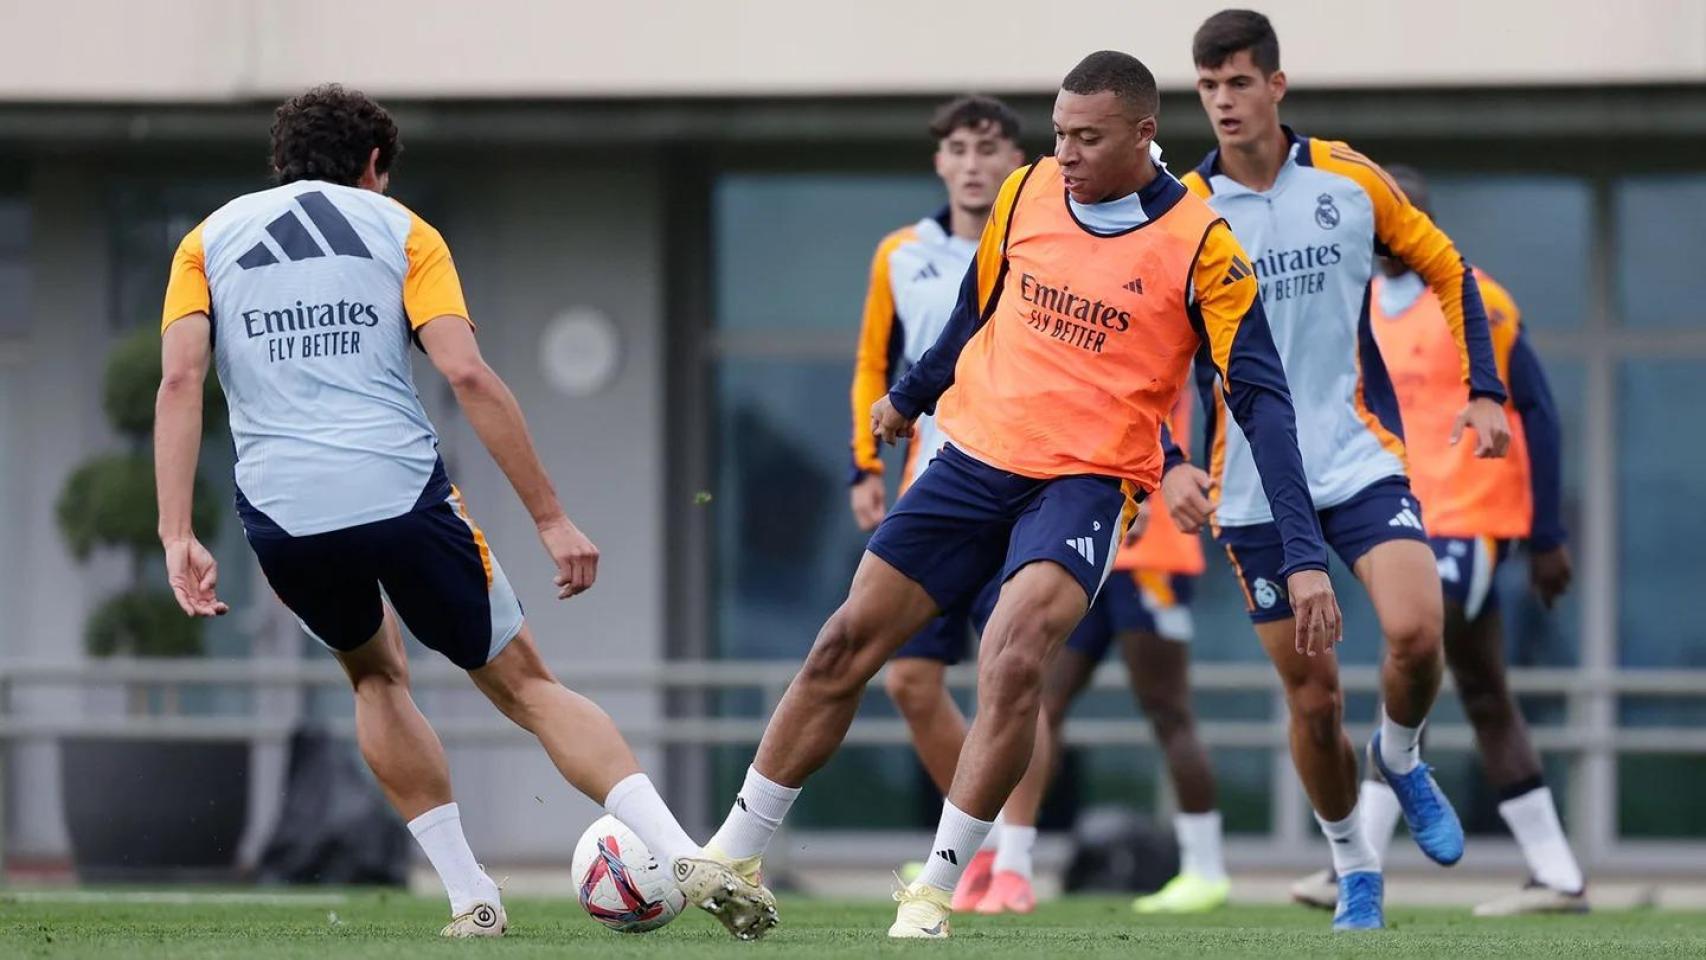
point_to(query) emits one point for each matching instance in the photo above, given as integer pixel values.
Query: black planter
(149, 811)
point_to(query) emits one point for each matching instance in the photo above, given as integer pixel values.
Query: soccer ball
(622, 885)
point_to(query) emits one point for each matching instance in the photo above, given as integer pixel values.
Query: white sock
(439, 832)
(636, 803)
(994, 841)
(1014, 851)
(1400, 746)
(958, 835)
(1380, 813)
(752, 821)
(1199, 845)
(1351, 850)
(1533, 819)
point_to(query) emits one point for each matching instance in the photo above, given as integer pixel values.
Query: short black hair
(1414, 185)
(1121, 73)
(974, 112)
(1221, 37)
(327, 133)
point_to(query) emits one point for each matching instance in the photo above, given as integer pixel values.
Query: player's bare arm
(496, 417)
(190, 569)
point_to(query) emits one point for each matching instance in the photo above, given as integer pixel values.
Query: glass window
(1531, 233)
(1535, 636)
(1662, 535)
(793, 251)
(1673, 810)
(786, 544)
(14, 266)
(1659, 223)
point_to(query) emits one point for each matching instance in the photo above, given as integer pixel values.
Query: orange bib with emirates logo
(1086, 344)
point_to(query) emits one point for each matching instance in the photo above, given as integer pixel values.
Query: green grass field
(378, 925)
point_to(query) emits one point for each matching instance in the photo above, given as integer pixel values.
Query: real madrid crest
(1326, 212)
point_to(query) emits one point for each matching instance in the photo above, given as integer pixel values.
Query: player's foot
(1536, 897)
(1428, 813)
(974, 883)
(479, 920)
(1320, 890)
(1360, 896)
(923, 913)
(1185, 893)
(728, 890)
(1009, 892)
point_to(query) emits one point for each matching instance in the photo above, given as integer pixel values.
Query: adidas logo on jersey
(928, 273)
(296, 242)
(1136, 286)
(1238, 271)
(1084, 547)
(1406, 518)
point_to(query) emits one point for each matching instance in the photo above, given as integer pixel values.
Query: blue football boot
(1428, 813)
(1360, 896)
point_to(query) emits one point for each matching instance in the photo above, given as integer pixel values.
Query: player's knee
(1417, 645)
(1168, 712)
(1484, 702)
(1013, 677)
(832, 667)
(915, 686)
(1318, 709)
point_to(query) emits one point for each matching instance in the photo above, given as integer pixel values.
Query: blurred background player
(1475, 511)
(915, 281)
(1054, 405)
(1144, 610)
(1312, 213)
(317, 287)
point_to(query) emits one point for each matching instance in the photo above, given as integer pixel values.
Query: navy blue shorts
(432, 564)
(948, 637)
(1383, 511)
(963, 523)
(1466, 569)
(1136, 601)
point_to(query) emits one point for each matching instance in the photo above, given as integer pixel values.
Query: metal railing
(1590, 746)
(770, 678)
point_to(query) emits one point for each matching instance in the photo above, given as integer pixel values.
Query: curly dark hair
(328, 132)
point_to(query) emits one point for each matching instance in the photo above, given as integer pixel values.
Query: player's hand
(868, 498)
(194, 575)
(1492, 429)
(575, 556)
(1320, 626)
(887, 425)
(1185, 491)
(1550, 572)
(1139, 524)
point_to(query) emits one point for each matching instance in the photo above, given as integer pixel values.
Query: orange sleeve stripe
(1223, 304)
(186, 287)
(871, 363)
(1504, 322)
(1389, 441)
(1195, 183)
(1406, 231)
(431, 289)
(992, 246)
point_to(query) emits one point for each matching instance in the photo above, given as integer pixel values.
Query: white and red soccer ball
(621, 883)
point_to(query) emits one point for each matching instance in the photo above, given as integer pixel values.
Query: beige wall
(122, 50)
